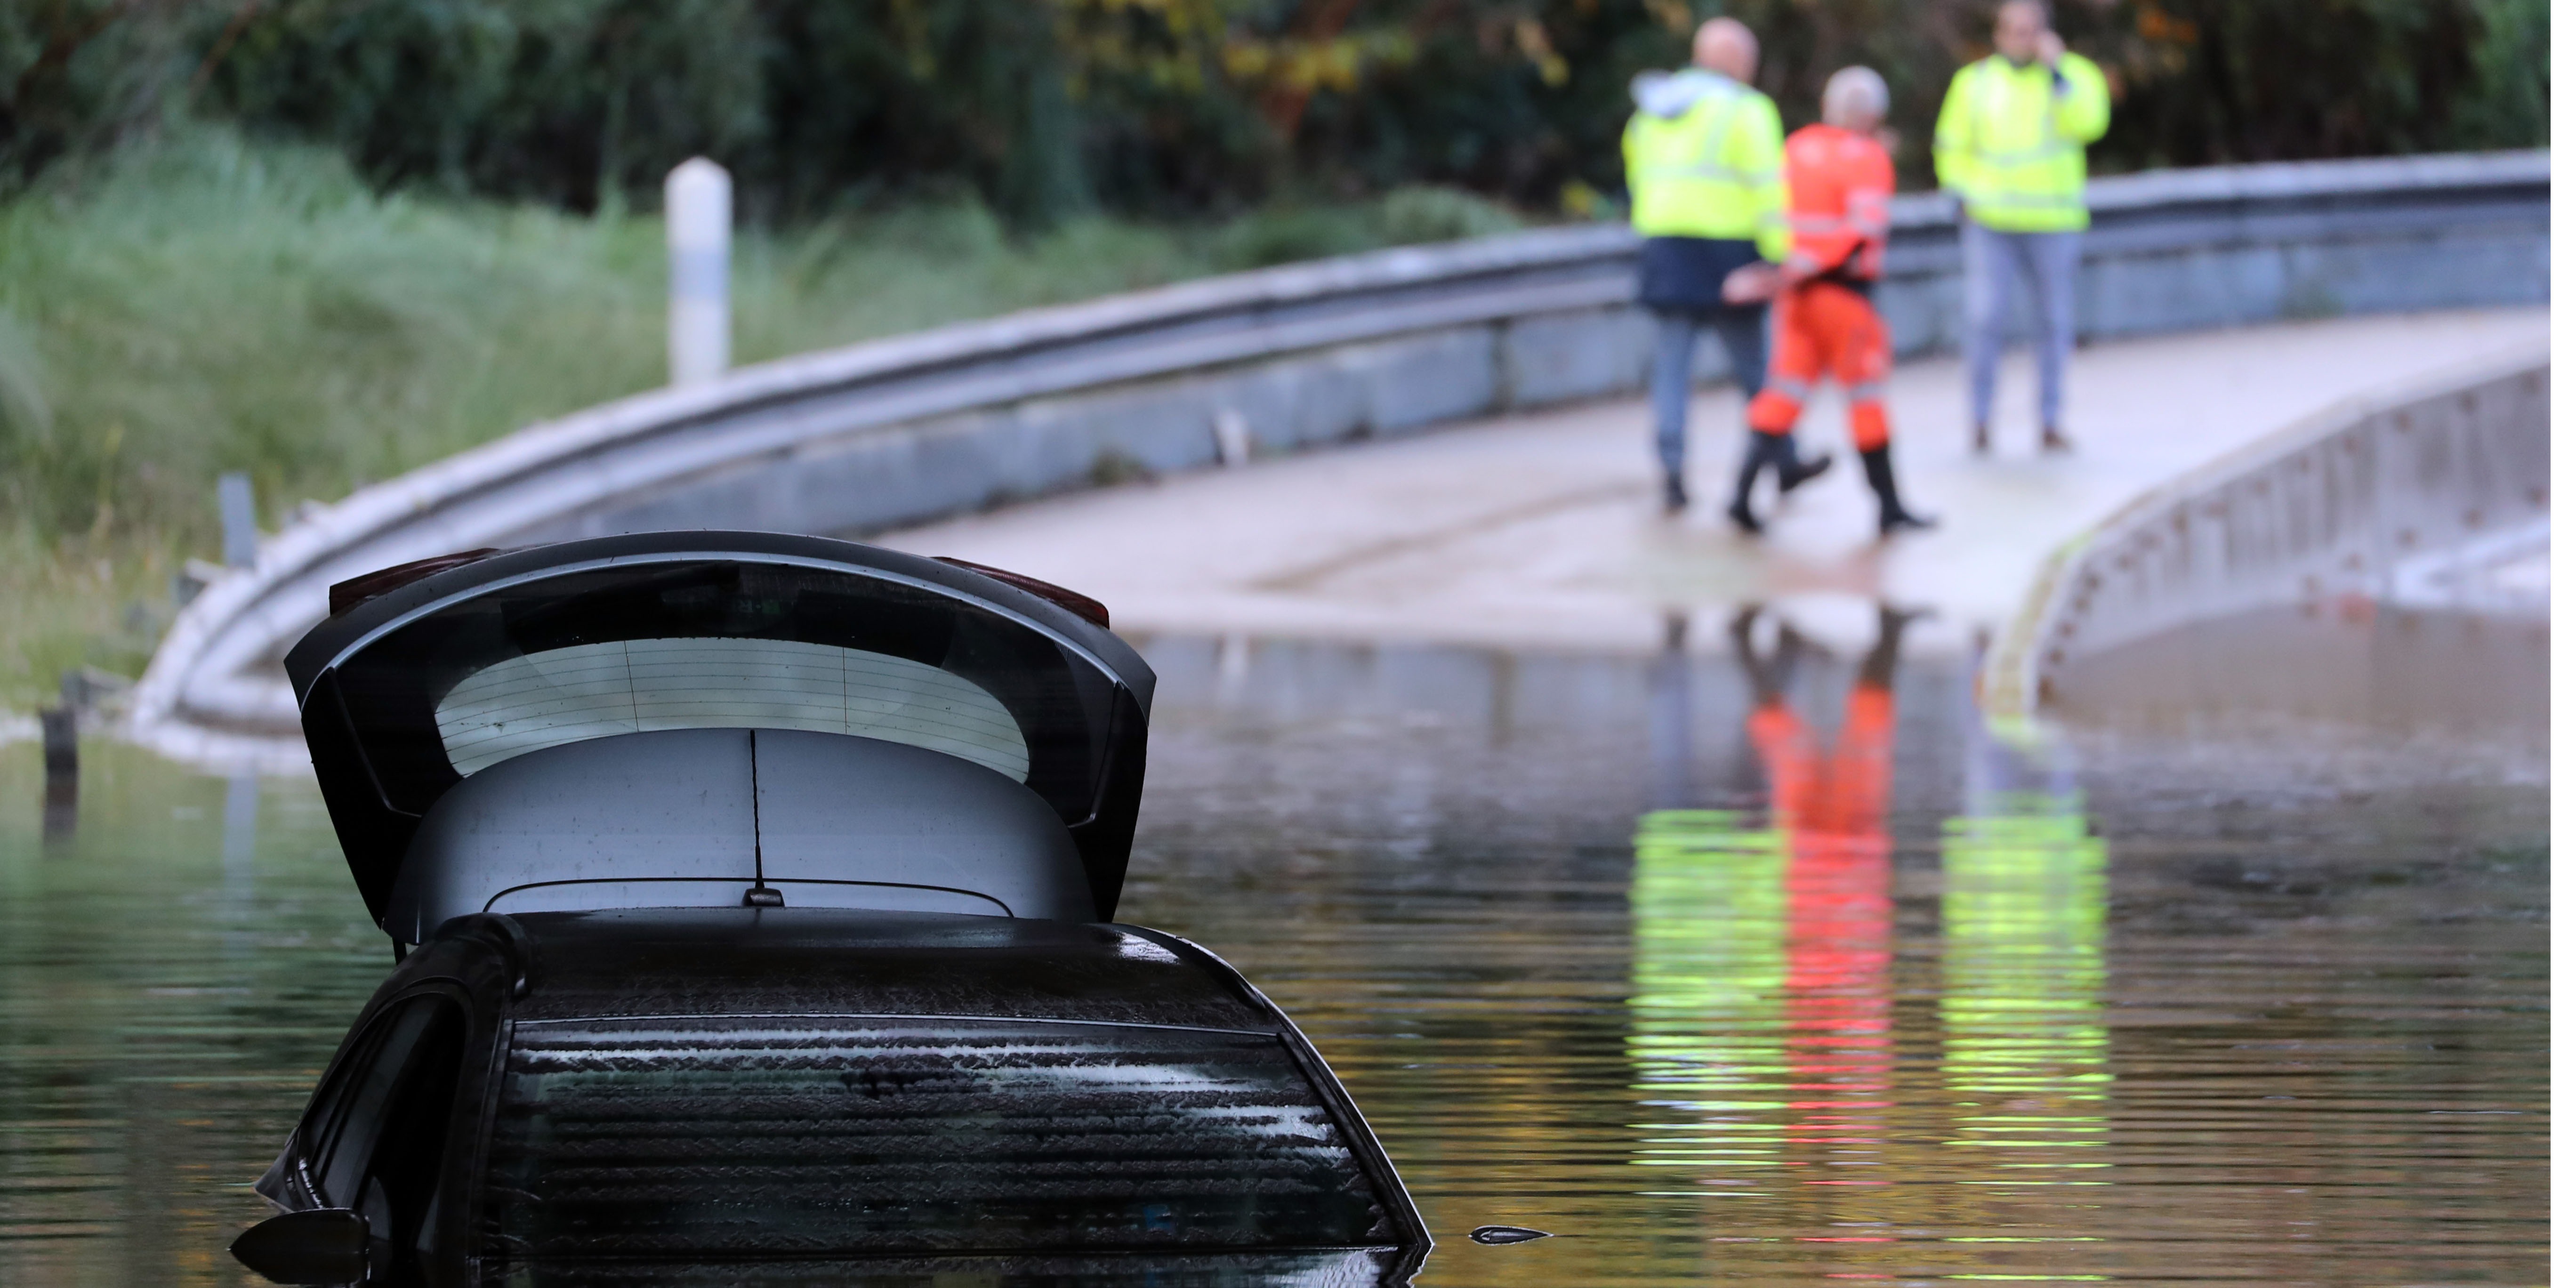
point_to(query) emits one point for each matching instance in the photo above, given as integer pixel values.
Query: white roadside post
(239, 511)
(697, 213)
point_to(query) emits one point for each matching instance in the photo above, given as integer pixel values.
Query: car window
(709, 1137)
(378, 1127)
(719, 643)
(564, 695)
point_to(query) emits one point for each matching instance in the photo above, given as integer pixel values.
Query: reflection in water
(172, 976)
(2023, 1045)
(1710, 965)
(2023, 892)
(1761, 1006)
(241, 827)
(2210, 1005)
(61, 738)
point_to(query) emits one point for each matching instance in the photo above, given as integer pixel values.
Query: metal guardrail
(951, 420)
(2349, 502)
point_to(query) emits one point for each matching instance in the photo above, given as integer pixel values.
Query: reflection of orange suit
(1842, 795)
(1833, 806)
(1839, 185)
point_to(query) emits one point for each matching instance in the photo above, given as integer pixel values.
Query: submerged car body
(751, 896)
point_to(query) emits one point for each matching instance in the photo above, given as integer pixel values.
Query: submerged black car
(751, 896)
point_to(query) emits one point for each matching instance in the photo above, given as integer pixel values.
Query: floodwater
(1756, 961)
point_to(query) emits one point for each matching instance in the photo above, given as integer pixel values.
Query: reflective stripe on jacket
(2010, 141)
(1703, 156)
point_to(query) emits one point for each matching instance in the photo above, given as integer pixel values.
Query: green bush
(2509, 69)
(206, 305)
(1047, 109)
(202, 306)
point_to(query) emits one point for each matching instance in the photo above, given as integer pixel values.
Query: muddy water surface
(1840, 985)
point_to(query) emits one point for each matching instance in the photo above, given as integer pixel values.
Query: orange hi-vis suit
(1839, 186)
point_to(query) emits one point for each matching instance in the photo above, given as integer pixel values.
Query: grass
(203, 303)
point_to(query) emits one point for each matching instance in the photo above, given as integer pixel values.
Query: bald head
(1727, 47)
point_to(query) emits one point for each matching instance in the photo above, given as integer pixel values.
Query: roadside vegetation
(200, 304)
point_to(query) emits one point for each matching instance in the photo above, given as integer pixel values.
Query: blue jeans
(1991, 260)
(1746, 335)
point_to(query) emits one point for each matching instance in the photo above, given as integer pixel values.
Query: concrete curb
(2351, 544)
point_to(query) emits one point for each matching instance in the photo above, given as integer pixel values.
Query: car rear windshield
(770, 1137)
(532, 701)
(729, 644)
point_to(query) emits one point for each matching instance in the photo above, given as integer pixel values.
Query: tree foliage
(1046, 107)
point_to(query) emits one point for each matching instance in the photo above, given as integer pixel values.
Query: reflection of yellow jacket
(2011, 141)
(1703, 155)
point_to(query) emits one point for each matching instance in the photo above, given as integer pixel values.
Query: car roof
(659, 962)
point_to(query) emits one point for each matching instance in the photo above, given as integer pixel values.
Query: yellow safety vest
(2011, 144)
(1711, 171)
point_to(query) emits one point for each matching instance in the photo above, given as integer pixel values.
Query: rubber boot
(1794, 473)
(1893, 517)
(1762, 451)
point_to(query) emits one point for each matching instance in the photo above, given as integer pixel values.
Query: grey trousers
(1746, 334)
(1992, 260)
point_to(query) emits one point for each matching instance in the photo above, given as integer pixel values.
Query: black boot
(1893, 517)
(1676, 497)
(1762, 451)
(1794, 473)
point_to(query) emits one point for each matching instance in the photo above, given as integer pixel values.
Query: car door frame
(470, 975)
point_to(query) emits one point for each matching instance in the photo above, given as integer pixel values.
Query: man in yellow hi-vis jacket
(2010, 144)
(1704, 190)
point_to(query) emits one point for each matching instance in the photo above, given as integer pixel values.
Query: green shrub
(2509, 108)
(1422, 213)
(1048, 109)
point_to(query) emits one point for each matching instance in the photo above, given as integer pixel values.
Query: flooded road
(1760, 960)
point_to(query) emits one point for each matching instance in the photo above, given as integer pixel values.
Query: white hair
(1855, 91)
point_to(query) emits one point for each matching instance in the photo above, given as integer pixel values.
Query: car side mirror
(320, 1246)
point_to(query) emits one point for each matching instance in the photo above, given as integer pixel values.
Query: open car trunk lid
(694, 718)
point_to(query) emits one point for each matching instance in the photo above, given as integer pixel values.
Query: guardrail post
(241, 519)
(697, 216)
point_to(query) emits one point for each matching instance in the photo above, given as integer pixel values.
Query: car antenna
(759, 895)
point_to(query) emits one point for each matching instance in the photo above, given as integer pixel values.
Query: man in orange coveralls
(1832, 806)
(1839, 181)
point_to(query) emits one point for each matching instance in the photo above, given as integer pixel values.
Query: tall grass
(204, 304)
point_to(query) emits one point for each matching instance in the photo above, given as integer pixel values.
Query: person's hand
(2051, 48)
(1750, 284)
